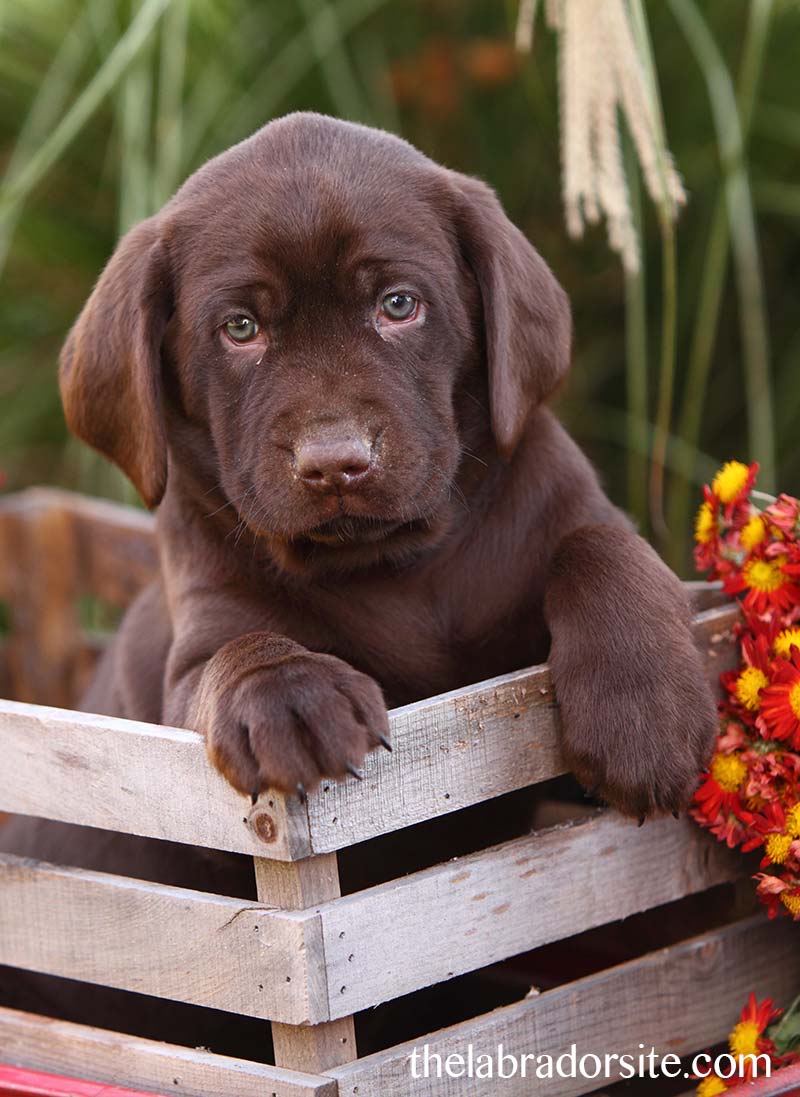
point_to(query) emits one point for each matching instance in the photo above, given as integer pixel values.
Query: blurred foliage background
(107, 105)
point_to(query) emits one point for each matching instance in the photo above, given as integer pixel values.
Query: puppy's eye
(241, 329)
(399, 306)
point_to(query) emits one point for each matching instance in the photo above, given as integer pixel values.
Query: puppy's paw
(639, 743)
(290, 722)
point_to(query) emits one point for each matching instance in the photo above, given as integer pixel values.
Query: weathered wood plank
(705, 595)
(681, 999)
(455, 917)
(450, 751)
(170, 942)
(463, 747)
(302, 885)
(40, 1043)
(115, 544)
(121, 775)
(39, 564)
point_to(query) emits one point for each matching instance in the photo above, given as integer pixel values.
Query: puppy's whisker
(460, 496)
(468, 453)
(471, 396)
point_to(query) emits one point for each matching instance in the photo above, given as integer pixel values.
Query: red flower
(784, 513)
(779, 895)
(719, 791)
(732, 485)
(768, 582)
(747, 1040)
(750, 796)
(772, 773)
(745, 685)
(780, 700)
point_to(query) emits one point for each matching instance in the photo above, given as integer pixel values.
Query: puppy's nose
(330, 465)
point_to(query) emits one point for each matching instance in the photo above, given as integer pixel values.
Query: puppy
(326, 362)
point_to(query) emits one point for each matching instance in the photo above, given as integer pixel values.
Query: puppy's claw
(641, 820)
(676, 815)
(359, 776)
(254, 795)
(302, 795)
(384, 742)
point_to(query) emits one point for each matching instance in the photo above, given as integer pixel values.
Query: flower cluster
(750, 795)
(757, 1033)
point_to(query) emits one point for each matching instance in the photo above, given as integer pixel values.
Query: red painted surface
(15, 1082)
(783, 1083)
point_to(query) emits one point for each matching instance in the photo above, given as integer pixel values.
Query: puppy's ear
(110, 365)
(526, 313)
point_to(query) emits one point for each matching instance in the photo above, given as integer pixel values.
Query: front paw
(636, 738)
(290, 721)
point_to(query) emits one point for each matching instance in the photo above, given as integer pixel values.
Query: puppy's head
(298, 329)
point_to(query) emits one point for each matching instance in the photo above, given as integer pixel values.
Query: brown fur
(478, 540)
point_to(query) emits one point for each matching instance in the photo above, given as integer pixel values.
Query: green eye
(399, 306)
(241, 329)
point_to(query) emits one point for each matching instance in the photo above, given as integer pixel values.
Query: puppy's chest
(418, 642)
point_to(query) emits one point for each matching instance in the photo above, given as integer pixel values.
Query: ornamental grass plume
(750, 795)
(602, 72)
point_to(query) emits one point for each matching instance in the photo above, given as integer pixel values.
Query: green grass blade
(741, 222)
(109, 74)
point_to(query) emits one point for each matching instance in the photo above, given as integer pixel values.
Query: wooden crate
(303, 956)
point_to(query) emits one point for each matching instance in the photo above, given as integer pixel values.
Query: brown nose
(329, 465)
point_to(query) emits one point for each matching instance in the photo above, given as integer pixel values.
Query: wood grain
(303, 885)
(114, 545)
(467, 746)
(472, 911)
(40, 1043)
(681, 999)
(170, 942)
(138, 778)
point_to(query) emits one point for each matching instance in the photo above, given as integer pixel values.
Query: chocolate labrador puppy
(325, 361)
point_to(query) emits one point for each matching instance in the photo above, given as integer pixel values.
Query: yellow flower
(728, 771)
(705, 524)
(748, 687)
(793, 821)
(753, 533)
(744, 1038)
(711, 1086)
(777, 847)
(792, 903)
(730, 480)
(784, 641)
(764, 575)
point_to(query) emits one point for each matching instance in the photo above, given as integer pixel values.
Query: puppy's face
(301, 324)
(321, 330)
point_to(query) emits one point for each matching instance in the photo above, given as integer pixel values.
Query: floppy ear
(526, 313)
(110, 365)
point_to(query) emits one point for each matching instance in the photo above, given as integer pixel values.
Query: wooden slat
(138, 778)
(170, 942)
(115, 544)
(705, 595)
(406, 934)
(39, 564)
(450, 751)
(463, 747)
(302, 886)
(681, 999)
(43, 1044)
(116, 547)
